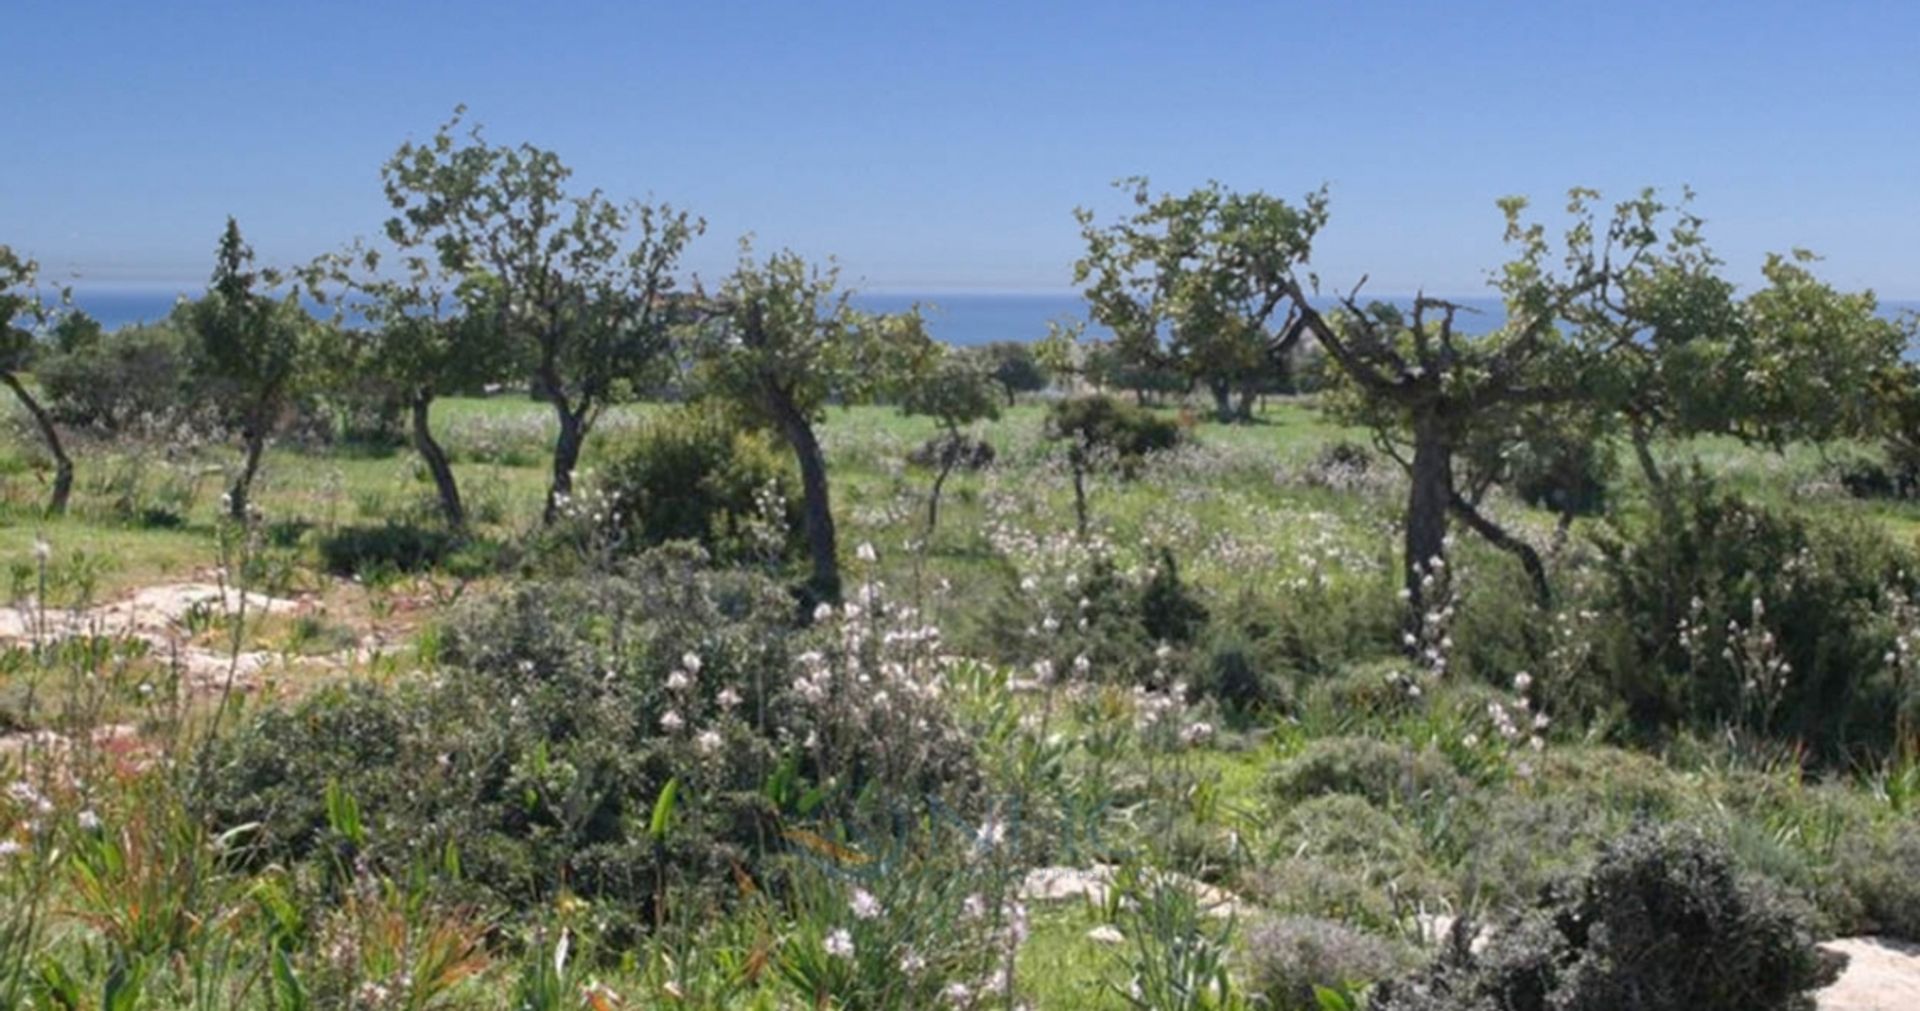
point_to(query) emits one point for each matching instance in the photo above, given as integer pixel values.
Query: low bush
(1382, 773)
(694, 473)
(1288, 958)
(1876, 878)
(1734, 613)
(1661, 922)
(1102, 427)
(385, 548)
(564, 711)
(136, 377)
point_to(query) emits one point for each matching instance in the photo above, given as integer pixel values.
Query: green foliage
(1175, 960)
(135, 378)
(1100, 429)
(247, 342)
(1013, 366)
(1193, 281)
(955, 391)
(1291, 958)
(1385, 774)
(1876, 874)
(786, 342)
(388, 548)
(1663, 921)
(20, 309)
(694, 473)
(612, 737)
(1735, 613)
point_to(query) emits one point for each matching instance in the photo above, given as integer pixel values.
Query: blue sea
(959, 318)
(966, 318)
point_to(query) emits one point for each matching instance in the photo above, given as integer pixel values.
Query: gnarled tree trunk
(1222, 400)
(1429, 497)
(239, 494)
(437, 464)
(1506, 541)
(949, 457)
(822, 545)
(566, 445)
(62, 464)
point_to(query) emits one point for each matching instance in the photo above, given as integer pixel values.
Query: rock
(1054, 884)
(1882, 974)
(1105, 934)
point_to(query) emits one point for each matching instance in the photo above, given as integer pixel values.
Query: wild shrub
(1289, 957)
(1661, 922)
(695, 473)
(1351, 838)
(1240, 663)
(387, 547)
(1099, 622)
(1732, 613)
(1103, 427)
(1381, 772)
(132, 378)
(1876, 879)
(566, 715)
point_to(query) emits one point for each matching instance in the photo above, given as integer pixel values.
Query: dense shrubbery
(389, 547)
(1104, 428)
(1662, 922)
(694, 473)
(565, 711)
(1383, 773)
(127, 379)
(1735, 613)
(1100, 623)
(1288, 958)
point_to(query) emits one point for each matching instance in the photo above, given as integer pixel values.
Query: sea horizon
(961, 317)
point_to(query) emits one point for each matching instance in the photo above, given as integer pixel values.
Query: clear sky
(944, 146)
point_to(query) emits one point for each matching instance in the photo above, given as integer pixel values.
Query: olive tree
(781, 340)
(427, 333)
(248, 351)
(1014, 366)
(955, 391)
(1192, 283)
(21, 310)
(582, 285)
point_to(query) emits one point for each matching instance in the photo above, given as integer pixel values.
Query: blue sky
(943, 147)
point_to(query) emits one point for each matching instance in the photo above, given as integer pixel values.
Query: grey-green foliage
(1383, 773)
(580, 287)
(247, 352)
(1289, 957)
(1663, 921)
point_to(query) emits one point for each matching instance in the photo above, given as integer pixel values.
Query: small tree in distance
(427, 333)
(955, 392)
(20, 310)
(1192, 283)
(582, 285)
(248, 352)
(781, 341)
(1014, 366)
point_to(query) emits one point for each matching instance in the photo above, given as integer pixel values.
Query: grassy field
(1285, 756)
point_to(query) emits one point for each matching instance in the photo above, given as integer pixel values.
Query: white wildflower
(839, 943)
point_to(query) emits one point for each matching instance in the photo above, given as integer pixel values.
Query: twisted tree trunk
(62, 464)
(822, 544)
(437, 464)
